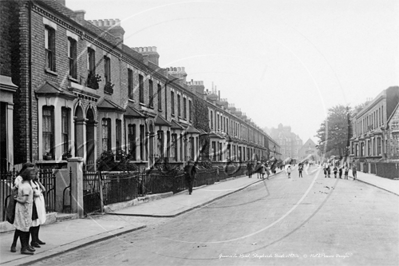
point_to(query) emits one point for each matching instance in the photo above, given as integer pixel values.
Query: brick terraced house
(72, 88)
(376, 128)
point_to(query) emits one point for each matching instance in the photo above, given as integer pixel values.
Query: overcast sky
(280, 61)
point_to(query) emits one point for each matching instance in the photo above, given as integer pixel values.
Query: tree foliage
(335, 131)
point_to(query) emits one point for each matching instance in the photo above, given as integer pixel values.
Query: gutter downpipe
(30, 81)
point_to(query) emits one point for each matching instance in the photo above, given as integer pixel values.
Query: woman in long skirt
(17, 182)
(40, 205)
(23, 210)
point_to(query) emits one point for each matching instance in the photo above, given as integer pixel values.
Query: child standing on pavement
(354, 172)
(300, 169)
(346, 172)
(289, 171)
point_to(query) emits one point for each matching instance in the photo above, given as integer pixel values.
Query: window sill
(73, 79)
(142, 104)
(159, 110)
(131, 100)
(51, 72)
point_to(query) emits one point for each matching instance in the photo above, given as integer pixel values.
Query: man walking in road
(189, 175)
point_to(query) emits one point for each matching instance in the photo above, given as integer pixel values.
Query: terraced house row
(72, 88)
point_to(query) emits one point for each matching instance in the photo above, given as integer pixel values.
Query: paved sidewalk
(72, 234)
(387, 184)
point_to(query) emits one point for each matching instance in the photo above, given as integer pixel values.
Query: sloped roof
(215, 135)
(107, 104)
(175, 125)
(160, 121)
(393, 113)
(192, 130)
(51, 89)
(132, 112)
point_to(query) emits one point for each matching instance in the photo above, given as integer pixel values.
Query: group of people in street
(339, 170)
(261, 169)
(30, 209)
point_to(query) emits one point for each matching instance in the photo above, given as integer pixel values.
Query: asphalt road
(281, 221)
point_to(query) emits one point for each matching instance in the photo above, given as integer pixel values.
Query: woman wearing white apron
(38, 198)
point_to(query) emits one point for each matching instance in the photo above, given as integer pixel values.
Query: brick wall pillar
(76, 166)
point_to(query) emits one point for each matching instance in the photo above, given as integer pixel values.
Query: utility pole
(349, 133)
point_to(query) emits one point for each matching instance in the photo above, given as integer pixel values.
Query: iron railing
(47, 178)
(6, 183)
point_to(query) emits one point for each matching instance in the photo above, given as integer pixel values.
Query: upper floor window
(92, 78)
(189, 110)
(107, 69)
(49, 45)
(159, 93)
(172, 100)
(130, 83)
(178, 105)
(151, 93)
(211, 120)
(141, 89)
(107, 75)
(72, 57)
(184, 108)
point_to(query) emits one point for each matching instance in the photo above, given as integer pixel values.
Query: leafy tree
(335, 131)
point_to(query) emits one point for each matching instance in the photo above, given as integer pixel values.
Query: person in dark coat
(249, 169)
(300, 169)
(190, 171)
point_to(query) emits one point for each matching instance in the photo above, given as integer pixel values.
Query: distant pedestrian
(258, 170)
(262, 170)
(249, 169)
(190, 171)
(346, 171)
(340, 172)
(328, 170)
(354, 172)
(325, 166)
(267, 169)
(335, 169)
(300, 169)
(288, 169)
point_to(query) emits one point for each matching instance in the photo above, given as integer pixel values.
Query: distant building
(289, 142)
(309, 148)
(376, 128)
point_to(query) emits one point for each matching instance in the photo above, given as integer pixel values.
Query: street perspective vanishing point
(111, 156)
